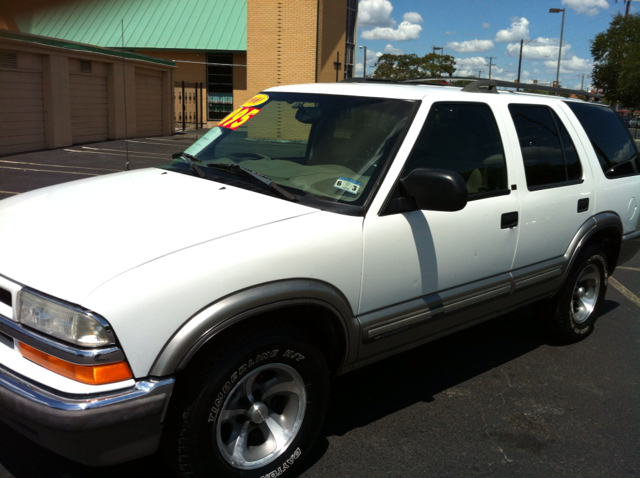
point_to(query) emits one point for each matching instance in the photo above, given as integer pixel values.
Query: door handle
(583, 204)
(509, 220)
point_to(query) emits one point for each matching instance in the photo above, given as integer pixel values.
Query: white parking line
(48, 171)
(147, 142)
(183, 138)
(629, 268)
(123, 151)
(624, 291)
(57, 165)
(122, 155)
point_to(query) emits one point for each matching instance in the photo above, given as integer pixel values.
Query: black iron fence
(190, 102)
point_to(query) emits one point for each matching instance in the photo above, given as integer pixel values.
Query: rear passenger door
(554, 181)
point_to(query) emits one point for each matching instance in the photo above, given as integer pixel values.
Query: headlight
(64, 323)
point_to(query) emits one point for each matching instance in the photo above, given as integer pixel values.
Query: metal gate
(190, 101)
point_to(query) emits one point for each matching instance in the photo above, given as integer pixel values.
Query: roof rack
(476, 85)
(491, 86)
(415, 81)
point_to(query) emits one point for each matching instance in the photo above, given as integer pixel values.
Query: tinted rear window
(616, 151)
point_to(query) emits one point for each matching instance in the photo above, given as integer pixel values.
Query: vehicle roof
(405, 91)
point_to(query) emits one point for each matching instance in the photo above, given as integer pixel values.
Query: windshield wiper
(247, 172)
(190, 159)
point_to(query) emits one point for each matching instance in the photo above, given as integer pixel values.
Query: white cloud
(473, 62)
(486, 25)
(449, 33)
(412, 17)
(571, 64)
(541, 49)
(393, 50)
(405, 31)
(589, 7)
(470, 46)
(375, 13)
(519, 29)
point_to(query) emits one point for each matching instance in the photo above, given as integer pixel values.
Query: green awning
(6, 34)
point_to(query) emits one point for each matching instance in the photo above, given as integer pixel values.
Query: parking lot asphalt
(498, 399)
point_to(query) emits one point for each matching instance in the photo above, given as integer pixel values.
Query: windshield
(326, 147)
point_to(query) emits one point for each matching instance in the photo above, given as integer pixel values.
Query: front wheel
(255, 412)
(575, 307)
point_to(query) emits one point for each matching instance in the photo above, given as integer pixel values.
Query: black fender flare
(234, 308)
(591, 227)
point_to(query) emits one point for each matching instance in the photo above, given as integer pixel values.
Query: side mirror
(436, 189)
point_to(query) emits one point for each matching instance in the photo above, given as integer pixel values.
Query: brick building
(225, 51)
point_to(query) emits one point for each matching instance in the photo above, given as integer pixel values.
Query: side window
(463, 137)
(549, 155)
(616, 152)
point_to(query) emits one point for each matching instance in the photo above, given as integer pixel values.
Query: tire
(253, 409)
(575, 308)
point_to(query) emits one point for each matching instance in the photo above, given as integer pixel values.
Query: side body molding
(247, 303)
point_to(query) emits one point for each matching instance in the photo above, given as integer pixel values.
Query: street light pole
(365, 62)
(558, 10)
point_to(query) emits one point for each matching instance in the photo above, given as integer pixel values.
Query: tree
(405, 67)
(616, 53)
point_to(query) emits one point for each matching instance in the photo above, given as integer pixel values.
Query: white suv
(315, 230)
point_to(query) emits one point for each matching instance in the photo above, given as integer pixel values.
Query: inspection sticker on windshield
(348, 185)
(238, 117)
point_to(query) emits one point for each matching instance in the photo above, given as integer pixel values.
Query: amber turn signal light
(89, 374)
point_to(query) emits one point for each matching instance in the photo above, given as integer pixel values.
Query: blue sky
(472, 30)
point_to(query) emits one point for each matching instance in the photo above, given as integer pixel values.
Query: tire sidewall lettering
(245, 367)
(285, 465)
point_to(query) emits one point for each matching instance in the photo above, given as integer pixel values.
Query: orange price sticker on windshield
(238, 117)
(257, 100)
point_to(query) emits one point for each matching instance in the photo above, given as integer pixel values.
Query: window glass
(463, 137)
(219, 85)
(574, 169)
(549, 155)
(616, 152)
(326, 148)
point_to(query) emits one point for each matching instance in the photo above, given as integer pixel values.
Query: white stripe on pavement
(48, 171)
(56, 165)
(624, 291)
(123, 151)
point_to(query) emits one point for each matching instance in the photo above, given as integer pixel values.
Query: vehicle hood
(67, 240)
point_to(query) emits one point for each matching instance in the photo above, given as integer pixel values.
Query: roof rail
(476, 85)
(416, 81)
(491, 86)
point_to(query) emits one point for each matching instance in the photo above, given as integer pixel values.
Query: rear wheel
(254, 410)
(575, 307)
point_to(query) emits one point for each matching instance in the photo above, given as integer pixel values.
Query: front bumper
(94, 430)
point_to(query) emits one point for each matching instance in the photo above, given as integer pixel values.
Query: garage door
(89, 108)
(149, 104)
(21, 111)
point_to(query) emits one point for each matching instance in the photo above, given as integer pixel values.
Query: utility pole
(520, 60)
(480, 73)
(628, 2)
(491, 58)
(582, 83)
(364, 63)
